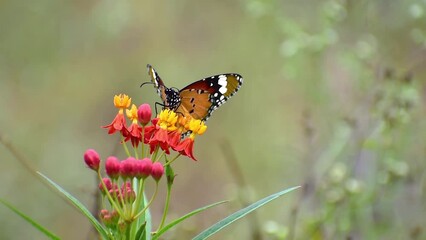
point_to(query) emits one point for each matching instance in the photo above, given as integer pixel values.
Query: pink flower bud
(157, 171)
(129, 195)
(106, 217)
(126, 185)
(103, 213)
(112, 167)
(127, 168)
(92, 159)
(143, 168)
(144, 114)
(115, 194)
(107, 183)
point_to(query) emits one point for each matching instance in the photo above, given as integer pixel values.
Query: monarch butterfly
(199, 99)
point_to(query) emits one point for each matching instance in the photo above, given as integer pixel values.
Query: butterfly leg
(160, 104)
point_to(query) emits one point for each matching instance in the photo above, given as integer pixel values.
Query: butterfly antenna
(146, 83)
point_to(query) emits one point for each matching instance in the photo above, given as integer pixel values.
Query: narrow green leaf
(140, 234)
(101, 230)
(172, 224)
(239, 214)
(31, 221)
(148, 219)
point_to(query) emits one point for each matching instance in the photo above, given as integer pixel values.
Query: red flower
(174, 139)
(133, 133)
(149, 131)
(160, 138)
(121, 102)
(118, 124)
(186, 147)
(166, 123)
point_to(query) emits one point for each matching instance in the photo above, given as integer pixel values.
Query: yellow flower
(197, 127)
(122, 101)
(132, 113)
(167, 120)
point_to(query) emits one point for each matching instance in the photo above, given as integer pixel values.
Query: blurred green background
(333, 100)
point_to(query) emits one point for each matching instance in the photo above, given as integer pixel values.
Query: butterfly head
(173, 99)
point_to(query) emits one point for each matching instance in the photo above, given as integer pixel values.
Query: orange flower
(134, 132)
(166, 123)
(121, 102)
(196, 127)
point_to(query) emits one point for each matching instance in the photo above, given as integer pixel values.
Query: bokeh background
(333, 100)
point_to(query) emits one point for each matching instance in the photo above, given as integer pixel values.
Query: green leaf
(101, 230)
(147, 216)
(172, 224)
(239, 214)
(31, 221)
(140, 234)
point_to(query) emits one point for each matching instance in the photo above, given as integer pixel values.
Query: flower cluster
(166, 130)
(123, 173)
(152, 140)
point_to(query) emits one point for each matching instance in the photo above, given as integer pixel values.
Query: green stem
(154, 154)
(127, 231)
(143, 139)
(139, 197)
(169, 162)
(136, 152)
(149, 203)
(159, 157)
(166, 206)
(125, 147)
(136, 206)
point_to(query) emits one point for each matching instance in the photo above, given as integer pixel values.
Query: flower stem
(149, 203)
(139, 197)
(166, 205)
(136, 152)
(127, 231)
(143, 139)
(154, 154)
(125, 147)
(169, 162)
(159, 157)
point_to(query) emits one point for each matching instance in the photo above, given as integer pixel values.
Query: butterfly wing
(158, 83)
(202, 97)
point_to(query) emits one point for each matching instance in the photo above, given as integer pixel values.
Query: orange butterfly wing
(201, 98)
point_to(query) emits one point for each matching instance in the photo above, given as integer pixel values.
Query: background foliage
(333, 99)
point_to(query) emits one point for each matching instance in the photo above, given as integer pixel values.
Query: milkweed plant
(152, 146)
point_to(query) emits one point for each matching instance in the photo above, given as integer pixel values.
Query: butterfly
(199, 99)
